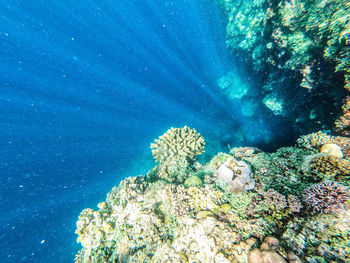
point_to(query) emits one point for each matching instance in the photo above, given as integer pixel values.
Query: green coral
(238, 202)
(322, 235)
(246, 21)
(271, 170)
(193, 181)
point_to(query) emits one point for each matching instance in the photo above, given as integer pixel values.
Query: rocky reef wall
(301, 48)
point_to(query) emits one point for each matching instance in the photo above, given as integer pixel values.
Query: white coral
(236, 174)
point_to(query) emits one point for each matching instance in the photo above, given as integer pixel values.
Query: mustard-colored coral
(317, 140)
(180, 143)
(332, 149)
(330, 167)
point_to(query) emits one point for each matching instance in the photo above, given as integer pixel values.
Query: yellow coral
(180, 143)
(332, 149)
(329, 167)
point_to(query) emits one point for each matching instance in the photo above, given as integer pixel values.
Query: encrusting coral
(150, 219)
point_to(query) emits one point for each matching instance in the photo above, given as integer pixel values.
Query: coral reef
(175, 151)
(236, 174)
(199, 219)
(316, 140)
(342, 124)
(320, 238)
(326, 197)
(179, 143)
(302, 49)
(327, 167)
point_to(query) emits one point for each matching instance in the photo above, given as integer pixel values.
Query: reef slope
(293, 206)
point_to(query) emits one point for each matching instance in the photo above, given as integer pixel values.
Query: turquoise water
(86, 86)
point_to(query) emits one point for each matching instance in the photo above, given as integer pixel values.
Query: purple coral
(294, 204)
(274, 198)
(326, 197)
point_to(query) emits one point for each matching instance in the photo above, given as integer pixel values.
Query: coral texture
(149, 219)
(326, 197)
(342, 124)
(327, 167)
(175, 152)
(236, 174)
(318, 139)
(178, 143)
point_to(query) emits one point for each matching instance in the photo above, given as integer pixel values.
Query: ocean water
(86, 86)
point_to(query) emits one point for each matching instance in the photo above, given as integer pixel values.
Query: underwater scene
(195, 131)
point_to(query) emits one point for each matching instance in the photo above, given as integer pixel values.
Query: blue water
(86, 86)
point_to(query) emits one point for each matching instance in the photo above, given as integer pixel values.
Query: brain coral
(179, 143)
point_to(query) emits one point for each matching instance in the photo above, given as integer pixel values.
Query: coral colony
(291, 205)
(244, 206)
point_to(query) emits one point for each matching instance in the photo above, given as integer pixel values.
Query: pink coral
(294, 204)
(326, 197)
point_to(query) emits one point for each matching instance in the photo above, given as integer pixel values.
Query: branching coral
(179, 143)
(175, 151)
(273, 205)
(342, 124)
(338, 42)
(320, 238)
(327, 167)
(315, 141)
(294, 204)
(326, 197)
